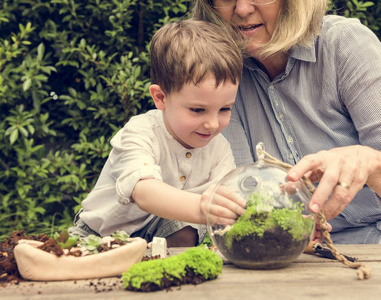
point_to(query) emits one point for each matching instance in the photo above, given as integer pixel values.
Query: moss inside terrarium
(261, 216)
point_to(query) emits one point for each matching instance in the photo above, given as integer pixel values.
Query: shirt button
(290, 139)
(188, 155)
(271, 87)
(281, 116)
(182, 178)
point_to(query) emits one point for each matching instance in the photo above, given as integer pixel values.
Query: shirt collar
(172, 142)
(298, 52)
(304, 53)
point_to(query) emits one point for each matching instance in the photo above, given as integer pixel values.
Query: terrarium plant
(64, 240)
(267, 235)
(68, 258)
(91, 244)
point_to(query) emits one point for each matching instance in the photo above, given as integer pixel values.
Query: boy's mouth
(204, 135)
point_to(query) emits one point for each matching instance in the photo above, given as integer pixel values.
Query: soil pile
(8, 266)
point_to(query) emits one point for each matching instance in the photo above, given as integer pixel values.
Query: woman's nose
(243, 8)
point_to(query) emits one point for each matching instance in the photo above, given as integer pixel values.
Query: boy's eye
(225, 109)
(197, 110)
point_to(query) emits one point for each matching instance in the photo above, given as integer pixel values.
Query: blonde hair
(187, 51)
(298, 24)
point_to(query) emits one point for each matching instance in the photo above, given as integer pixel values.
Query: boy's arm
(163, 200)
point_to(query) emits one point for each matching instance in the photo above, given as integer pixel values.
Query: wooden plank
(309, 277)
(299, 281)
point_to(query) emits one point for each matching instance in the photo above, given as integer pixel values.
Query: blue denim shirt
(329, 96)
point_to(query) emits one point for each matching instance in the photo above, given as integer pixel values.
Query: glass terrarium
(276, 226)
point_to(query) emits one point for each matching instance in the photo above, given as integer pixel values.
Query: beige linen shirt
(144, 149)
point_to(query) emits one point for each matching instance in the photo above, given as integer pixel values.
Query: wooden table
(310, 277)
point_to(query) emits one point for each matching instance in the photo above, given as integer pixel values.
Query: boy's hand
(318, 234)
(225, 207)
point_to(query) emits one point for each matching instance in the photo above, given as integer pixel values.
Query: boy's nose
(211, 122)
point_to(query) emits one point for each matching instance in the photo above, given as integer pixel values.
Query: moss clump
(157, 274)
(260, 216)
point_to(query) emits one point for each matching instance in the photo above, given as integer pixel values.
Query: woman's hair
(298, 23)
(188, 51)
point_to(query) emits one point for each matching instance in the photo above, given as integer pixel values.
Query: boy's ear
(158, 96)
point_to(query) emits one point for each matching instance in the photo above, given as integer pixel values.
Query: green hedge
(369, 12)
(71, 74)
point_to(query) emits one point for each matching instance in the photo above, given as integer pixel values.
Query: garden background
(71, 74)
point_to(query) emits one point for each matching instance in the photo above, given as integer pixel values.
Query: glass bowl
(276, 226)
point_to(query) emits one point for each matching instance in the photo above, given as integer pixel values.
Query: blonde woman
(311, 91)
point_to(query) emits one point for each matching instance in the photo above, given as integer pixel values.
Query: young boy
(156, 179)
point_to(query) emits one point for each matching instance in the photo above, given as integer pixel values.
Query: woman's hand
(225, 207)
(342, 172)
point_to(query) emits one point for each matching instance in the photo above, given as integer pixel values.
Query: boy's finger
(228, 193)
(223, 212)
(227, 203)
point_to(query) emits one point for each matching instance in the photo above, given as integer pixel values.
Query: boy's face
(197, 113)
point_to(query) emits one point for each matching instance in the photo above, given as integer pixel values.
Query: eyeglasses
(231, 3)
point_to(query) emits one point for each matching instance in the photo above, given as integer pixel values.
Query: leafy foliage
(121, 235)
(64, 240)
(368, 12)
(91, 243)
(71, 74)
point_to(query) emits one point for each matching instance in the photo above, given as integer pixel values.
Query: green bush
(368, 12)
(71, 74)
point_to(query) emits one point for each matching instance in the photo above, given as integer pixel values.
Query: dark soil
(166, 284)
(8, 266)
(275, 249)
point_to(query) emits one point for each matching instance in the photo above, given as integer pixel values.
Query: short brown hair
(187, 51)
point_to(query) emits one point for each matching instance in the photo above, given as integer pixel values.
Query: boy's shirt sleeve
(134, 157)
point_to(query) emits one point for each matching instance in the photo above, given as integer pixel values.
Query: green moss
(260, 215)
(146, 271)
(207, 240)
(201, 260)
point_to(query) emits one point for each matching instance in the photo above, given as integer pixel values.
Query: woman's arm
(352, 166)
(342, 172)
(374, 179)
